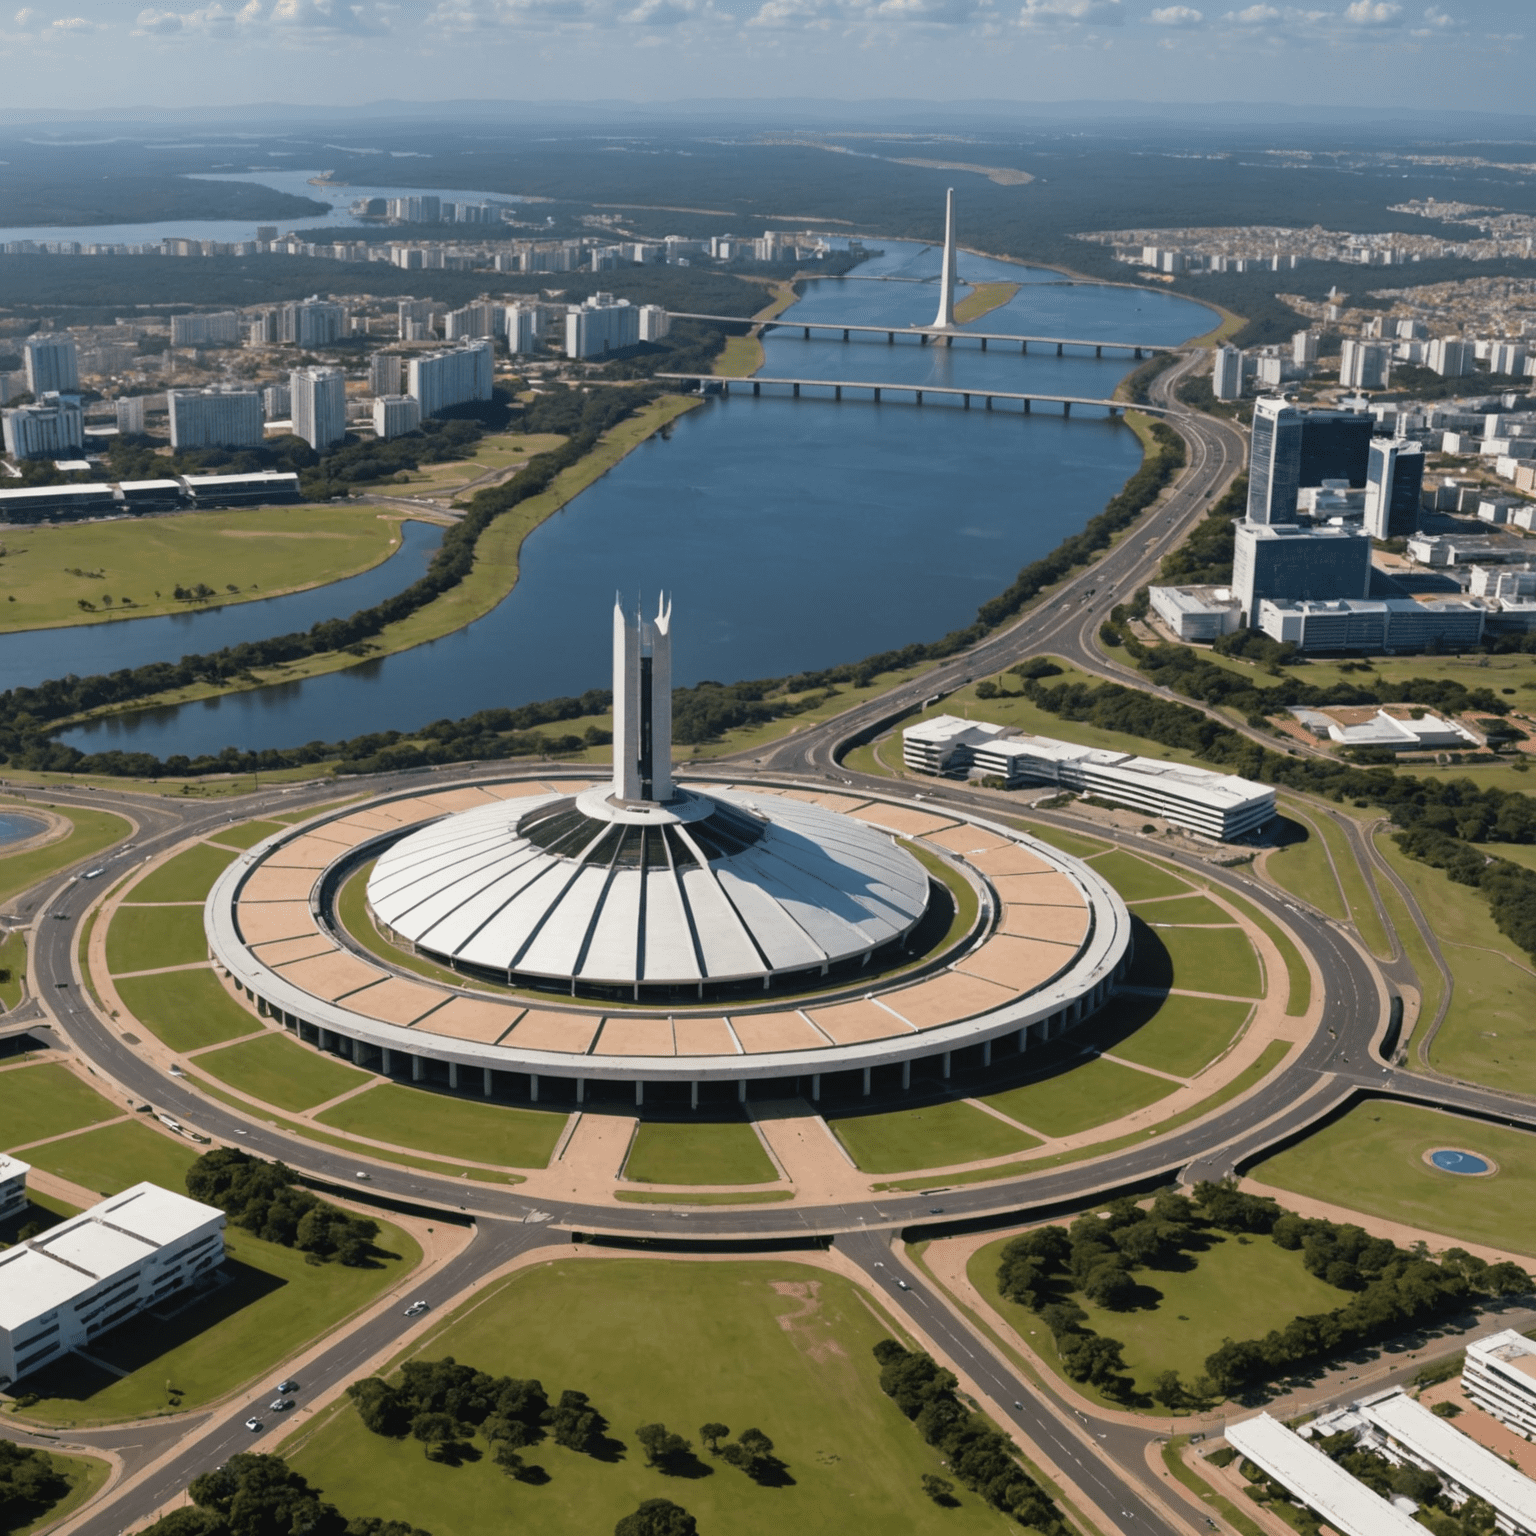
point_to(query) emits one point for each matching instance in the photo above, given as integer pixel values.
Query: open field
(47, 1100)
(493, 576)
(1238, 1288)
(1218, 960)
(1199, 911)
(112, 1157)
(451, 1126)
(1069, 842)
(983, 299)
(91, 832)
(279, 1071)
(1431, 983)
(775, 1345)
(186, 1009)
(1298, 977)
(1181, 1035)
(149, 938)
(931, 1137)
(245, 834)
(673, 1152)
(1383, 1145)
(13, 958)
(1136, 879)
(1302, 868)
(274, 1304)
(187, 877)
(497, 451)
(134, 565)
(1081, 1097)
(85, 1475)
(1362, 909)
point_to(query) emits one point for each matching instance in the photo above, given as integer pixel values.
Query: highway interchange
(1105, 1460)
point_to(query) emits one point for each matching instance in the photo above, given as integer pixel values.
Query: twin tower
(642, 705)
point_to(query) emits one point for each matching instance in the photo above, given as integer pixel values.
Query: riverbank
(494, 575)
(742, 356)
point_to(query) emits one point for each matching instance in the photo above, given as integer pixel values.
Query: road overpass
(704, 381)
(937, 334)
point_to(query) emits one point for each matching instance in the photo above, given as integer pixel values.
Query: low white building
(1395, 625)
(1428, 733)
(1337, 1498)
(1407, 1431)
(1218, 805)
(1500, 1377)
(74, 1282)
(13, 1186)
(1197, 613)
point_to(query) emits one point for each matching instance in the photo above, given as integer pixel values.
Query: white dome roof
(705, 888)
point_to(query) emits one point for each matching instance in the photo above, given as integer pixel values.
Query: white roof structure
(1458, 1458)
(112, 1237)
(1344, 1502)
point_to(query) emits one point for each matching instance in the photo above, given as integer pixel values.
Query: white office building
(1449, 356)
(1217, 805)
(76, 1281)
(50, 428)
(312, 323)
(1394, 625)
(1394, 486)
(1506, 357)
(1197, 613)
(214, 418)
(600, 326)
(1500, 1377)
(395, 415)
(130, 414)
(474, 321)
(1304, 348)
(1317, 1481)
(13, 1186)
(440, 380)
(52, 364)
(526, 325)
(1285, 560)
(1365, 364)
(655, 322)
(215, 330)
(319, 405)
(1227, 374)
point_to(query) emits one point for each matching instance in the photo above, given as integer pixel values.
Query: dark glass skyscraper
(1334, 446)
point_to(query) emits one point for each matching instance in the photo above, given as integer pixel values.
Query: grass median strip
(745, 1197)
(186, 1009)
(670, 1152)
(47, 1100)
(931, 1137)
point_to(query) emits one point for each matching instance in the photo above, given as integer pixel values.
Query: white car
(253, 1424)
(416, 1308)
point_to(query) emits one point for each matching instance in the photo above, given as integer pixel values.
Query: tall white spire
(626, 705)
(642, 704)
(945, 319)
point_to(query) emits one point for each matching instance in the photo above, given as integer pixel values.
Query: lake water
(34, 655)
(17, 828)
(793, 534)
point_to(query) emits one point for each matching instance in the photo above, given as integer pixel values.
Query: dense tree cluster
(257, 1495)
(265, 1199)
(29, 1483)
(977, 1454)
(657, 1517)
(1205, 557)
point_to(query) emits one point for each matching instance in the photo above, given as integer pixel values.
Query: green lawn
(932, 1137)
(147, 938)
(273, 1306)
(772, 1344)
(1415, 949)
(91, 832)
(85, 1474)
(1084, 1096)
(1197, 960)
(13, 958)
(47, 1100)
(1136, 879)
(1382, 1145)
(246, 834)
(1234, 1289)
(1356, 891)
(50, 569)
(186, 1009)
(1298, 977)
(187, 877)
(1302, 868)
(279, 1071)
(451, 1126)
(1180, 1034)
(112, 1157)
(1199, 910)
(672, 1152)
(1069, 842)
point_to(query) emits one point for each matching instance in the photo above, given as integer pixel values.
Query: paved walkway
(813, 1161)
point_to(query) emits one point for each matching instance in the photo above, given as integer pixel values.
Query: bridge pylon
(945, 320)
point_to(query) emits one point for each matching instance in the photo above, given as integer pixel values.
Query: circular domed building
(549, 936)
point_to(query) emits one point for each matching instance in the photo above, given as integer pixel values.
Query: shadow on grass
(1151, 964)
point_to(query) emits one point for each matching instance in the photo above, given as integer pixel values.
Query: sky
(1475, 54)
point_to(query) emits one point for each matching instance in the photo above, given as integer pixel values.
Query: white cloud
(531, 15)
(1040, 14)
(785, 15)
(1176, 16)
(324, 16)
(157, 24)
(1373, 13)
(1254, 16)
(1437, 21)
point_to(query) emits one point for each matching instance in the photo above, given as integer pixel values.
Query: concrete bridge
(704, 382)
(940, 334)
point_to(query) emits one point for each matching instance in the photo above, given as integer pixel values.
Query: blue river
(793, 534)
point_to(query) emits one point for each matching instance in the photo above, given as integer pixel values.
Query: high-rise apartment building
(1506, 357)
(1304, 347)
(386, 373)
(394, 415)
(1365, 364)
(1449, 356)
(1394, 483)
(52, 364)
(277, 402)
(1274, 462)
(214, 418)
(444, 379)
(1227, 374)
(311, 323)
(526, 325)
(319, 405)
(655, 322)
(51, 427)
(600, 326)
(215, 330)
(414, 312)
(1288, 562)
(130, 414)
(474, 321)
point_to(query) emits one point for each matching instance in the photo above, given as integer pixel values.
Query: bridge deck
(885, 386)
(927, 333)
